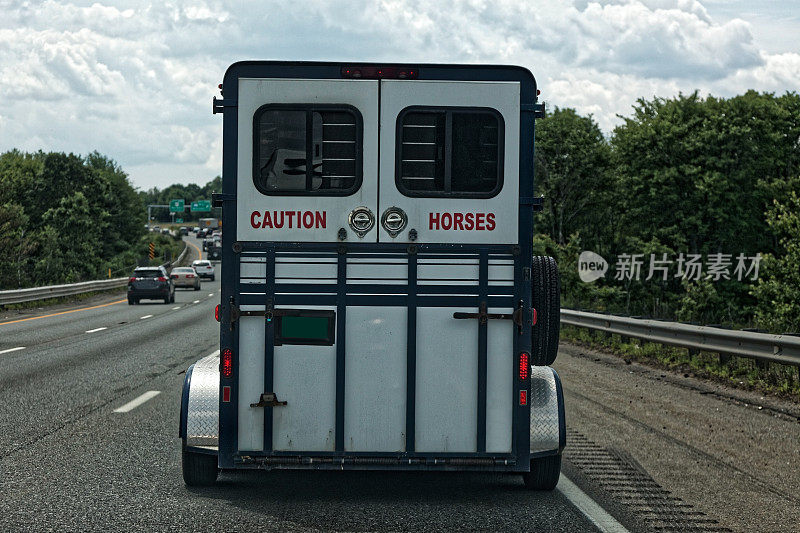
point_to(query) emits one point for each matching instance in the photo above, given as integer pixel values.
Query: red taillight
(161, 278)
(226, 364)
(131, 280)
(189, 275)
(216, 312)
(174, 276)
(523, 397)
(524, 366)
(226, 393)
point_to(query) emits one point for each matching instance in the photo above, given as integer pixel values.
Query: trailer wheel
(544, 473)
(199, 469)
(546, 299)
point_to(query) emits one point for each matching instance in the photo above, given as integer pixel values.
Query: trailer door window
(307, 150)
(449, 152)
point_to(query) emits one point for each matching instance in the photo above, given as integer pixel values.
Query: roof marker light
(379, 72)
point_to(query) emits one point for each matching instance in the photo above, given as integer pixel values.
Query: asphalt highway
(89, 404)
(89, 401)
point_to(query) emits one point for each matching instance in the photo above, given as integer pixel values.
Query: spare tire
(546, 298)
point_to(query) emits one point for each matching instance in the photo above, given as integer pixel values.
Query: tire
(172, 298)
(546, 299)
(212, 278)
(544, 473)
(130, 301)
(197, 287)
(199, 469)
(136, 301)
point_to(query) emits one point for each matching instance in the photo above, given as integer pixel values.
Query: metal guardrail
(783, 349)
(56, 291)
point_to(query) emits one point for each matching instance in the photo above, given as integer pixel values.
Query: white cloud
(135, 80)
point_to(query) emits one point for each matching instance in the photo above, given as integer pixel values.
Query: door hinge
(536, 202)
(219, 105)
(217, 198)
(536, 109)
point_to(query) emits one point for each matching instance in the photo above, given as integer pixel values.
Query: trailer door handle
(483, 316)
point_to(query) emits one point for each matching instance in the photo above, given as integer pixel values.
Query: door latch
(268, 399)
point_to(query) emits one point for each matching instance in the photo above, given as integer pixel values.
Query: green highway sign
(178, 220)
(176, 206)
(201, 205)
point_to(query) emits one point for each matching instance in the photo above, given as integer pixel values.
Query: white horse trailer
(380, 307)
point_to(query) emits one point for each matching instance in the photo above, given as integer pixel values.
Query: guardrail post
(724, 358)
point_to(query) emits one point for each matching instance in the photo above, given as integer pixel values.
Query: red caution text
(288, 219)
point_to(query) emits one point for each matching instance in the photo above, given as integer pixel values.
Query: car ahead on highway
(208, 243)
(195, 229)
(150, 283)
(215, 251)
(201, 233)
(184, 230)
(204, 268)
(185, 277)
(156, 229)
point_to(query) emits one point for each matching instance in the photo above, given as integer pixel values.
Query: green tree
(16, 245)
(778, 289)
(572, 173)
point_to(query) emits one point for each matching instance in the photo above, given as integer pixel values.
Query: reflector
(216, 312)
(523, 397)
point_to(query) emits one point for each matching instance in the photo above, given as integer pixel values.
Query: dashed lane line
(176, 308)
(95, 330)
(18, 348)
(62, 312)
(133, 404)
(196, 302)
(145, 316)
(590, 508)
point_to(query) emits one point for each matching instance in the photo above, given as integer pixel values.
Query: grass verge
(740, 372)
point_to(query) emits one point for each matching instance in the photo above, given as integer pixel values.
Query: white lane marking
(145, 316)
(133, 404)
(196, 302)
(176, 308)
(211, 294)
(590, 509)
(13, 349)
(95, 330)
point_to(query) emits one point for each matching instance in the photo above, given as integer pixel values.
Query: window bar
(448, 151)
(309, 149)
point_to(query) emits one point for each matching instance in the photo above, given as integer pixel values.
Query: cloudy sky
(134, 79)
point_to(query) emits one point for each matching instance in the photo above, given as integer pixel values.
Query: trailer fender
(199, 424)
(548, 426)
